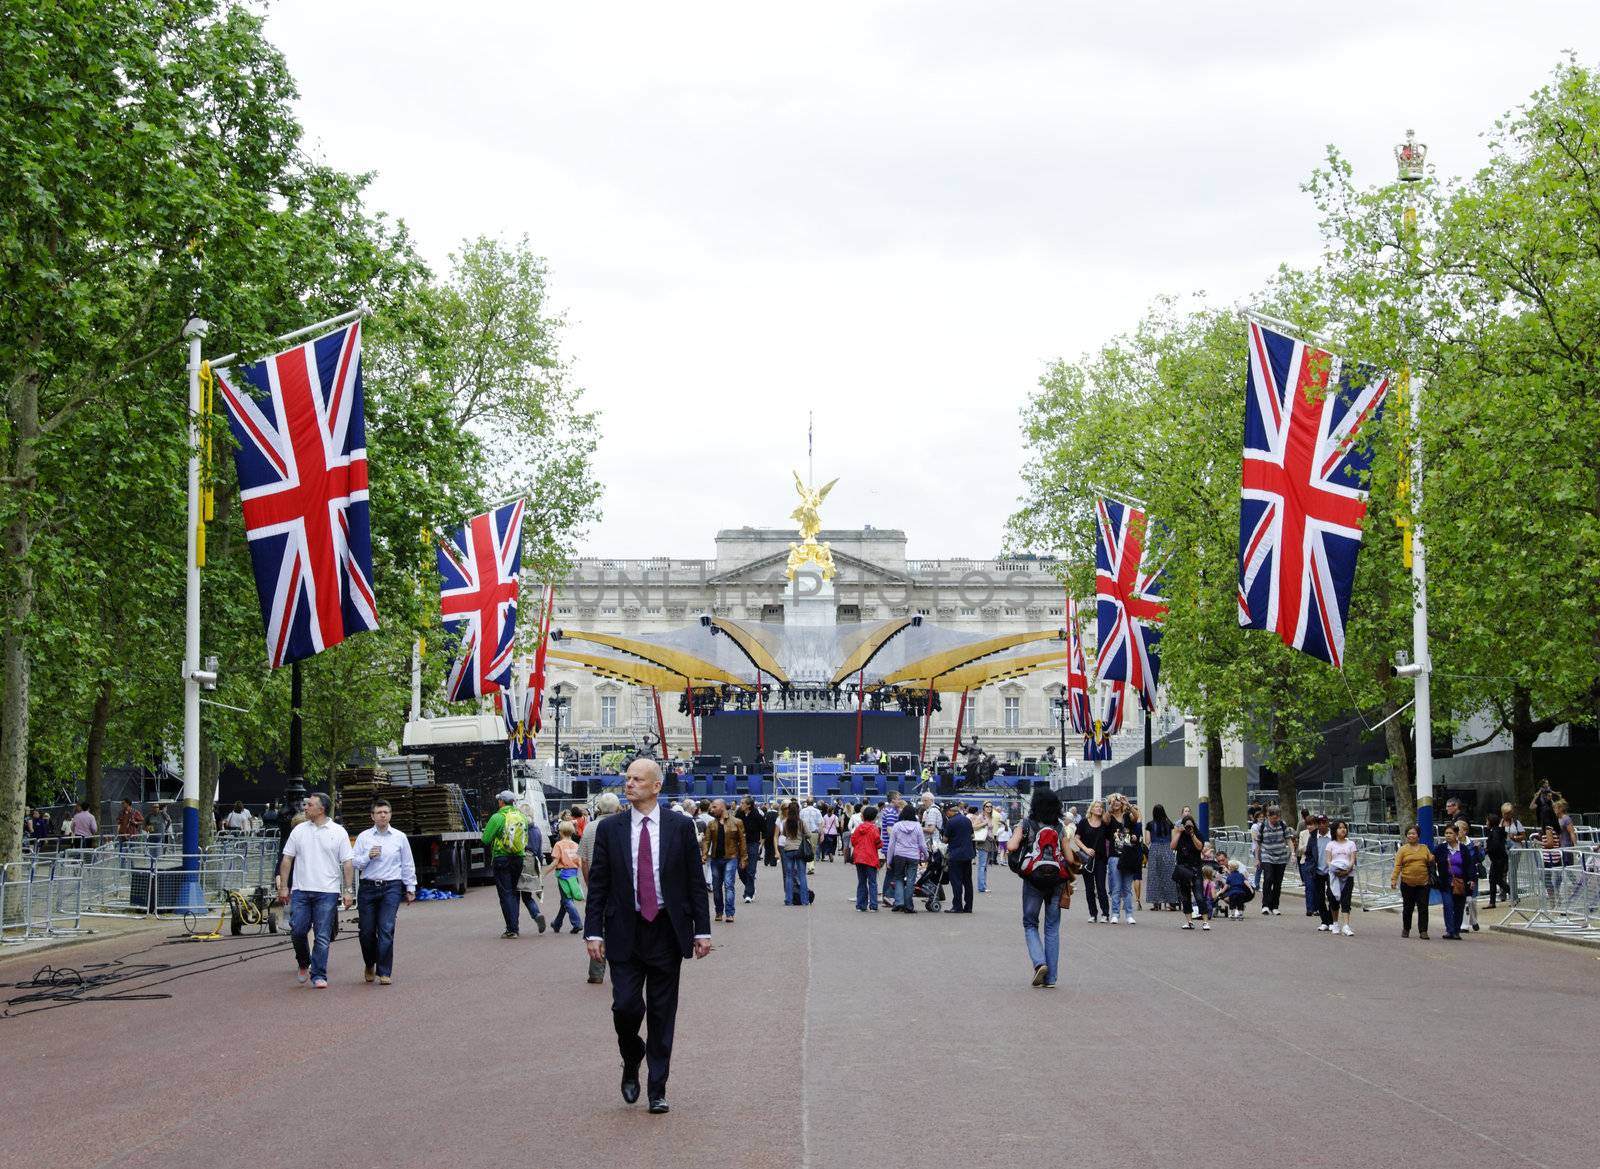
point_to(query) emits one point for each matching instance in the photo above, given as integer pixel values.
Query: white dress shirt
(394, 862)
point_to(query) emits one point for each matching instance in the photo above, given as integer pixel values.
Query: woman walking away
(864, 845)
(983, 841)
(791, 835)
(1413, 875)
(1341, 878)
(1159, 884)
(1126, 858)
(1187, 849)
(907, 849)
(1494, 847)
(1450, 863)
(1038, 847)
(1094, 835)
(1274, 846)
(830, 834)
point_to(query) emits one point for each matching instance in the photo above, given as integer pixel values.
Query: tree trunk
(1402, 757)
(1219, 814)
(210, 768)
(1524, 730)
(94, 752)
(15, 660)
(14, 722)
(1288, 798)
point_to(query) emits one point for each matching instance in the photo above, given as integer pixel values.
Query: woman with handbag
(1414, 876)
(1125, 858)
(792, 847)
(1450, 862)
(1094, 835)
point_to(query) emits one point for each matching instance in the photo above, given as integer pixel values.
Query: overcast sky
(894, 215)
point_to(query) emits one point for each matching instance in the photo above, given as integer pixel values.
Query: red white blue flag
(1130, 604)
(480, 565)
(532, 717)
(1304, 488)
(1079, 714)
(1097, 743)
(301, 456)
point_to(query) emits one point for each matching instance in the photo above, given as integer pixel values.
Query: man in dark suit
(958, 835)
(647, 911)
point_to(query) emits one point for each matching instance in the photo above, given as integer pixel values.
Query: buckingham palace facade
(1014, 719)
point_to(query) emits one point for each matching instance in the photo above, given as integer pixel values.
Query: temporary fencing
(1557, 898)
(39, 897)
(164, 885)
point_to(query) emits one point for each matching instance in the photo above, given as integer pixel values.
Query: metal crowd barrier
(160, 885)
(39, 898)
(1561, 899)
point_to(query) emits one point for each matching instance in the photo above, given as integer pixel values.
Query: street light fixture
(555, 700)
(1062, 704)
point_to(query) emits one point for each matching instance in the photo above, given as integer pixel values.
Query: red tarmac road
(824, 1038)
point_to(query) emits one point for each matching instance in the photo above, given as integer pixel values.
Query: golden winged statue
(806, 514)
(808, 551)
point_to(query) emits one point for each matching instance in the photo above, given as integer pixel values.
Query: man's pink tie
(646, 882)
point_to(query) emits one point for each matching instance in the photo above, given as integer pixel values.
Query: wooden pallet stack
(354, 789)
(437, 808)
(421, 809)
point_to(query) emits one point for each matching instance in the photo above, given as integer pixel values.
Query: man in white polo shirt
(319, 852)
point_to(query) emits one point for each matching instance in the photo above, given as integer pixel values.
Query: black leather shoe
(630, 1084)
(658, 1104)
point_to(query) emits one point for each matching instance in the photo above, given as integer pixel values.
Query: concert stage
(733, 734)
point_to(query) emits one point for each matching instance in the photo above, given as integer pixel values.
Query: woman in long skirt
(1161, 891)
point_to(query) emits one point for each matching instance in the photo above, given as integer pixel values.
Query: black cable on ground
(52, 986)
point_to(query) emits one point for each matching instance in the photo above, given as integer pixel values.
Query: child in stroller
(931, 881)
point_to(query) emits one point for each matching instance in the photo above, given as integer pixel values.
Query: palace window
(1013, 713)
(608, 712)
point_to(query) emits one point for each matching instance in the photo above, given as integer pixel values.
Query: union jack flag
(1129, 598)
(512, 711)
(301, 456)
(1097, 743)
(1304, 488)
(1079, 716)
(480, 564)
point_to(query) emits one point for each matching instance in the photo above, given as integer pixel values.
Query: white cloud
(891, 214)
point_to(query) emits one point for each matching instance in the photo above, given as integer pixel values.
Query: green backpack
(513, 833)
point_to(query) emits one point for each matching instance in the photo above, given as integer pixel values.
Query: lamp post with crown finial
(1410, 159)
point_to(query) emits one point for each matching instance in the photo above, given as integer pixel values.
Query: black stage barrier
(823, 733)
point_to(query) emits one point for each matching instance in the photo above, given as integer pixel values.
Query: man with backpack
(507, 834)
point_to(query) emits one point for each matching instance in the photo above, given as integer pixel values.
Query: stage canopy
(904, 653)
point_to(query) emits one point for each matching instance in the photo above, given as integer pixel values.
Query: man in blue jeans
(388, 876)
(318, 853)
(723, 847)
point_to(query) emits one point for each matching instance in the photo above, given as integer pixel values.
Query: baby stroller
(930, 884)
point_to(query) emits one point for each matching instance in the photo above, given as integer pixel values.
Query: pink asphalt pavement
(821, 1037)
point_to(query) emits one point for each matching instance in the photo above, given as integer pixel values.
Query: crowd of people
(905, 850)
